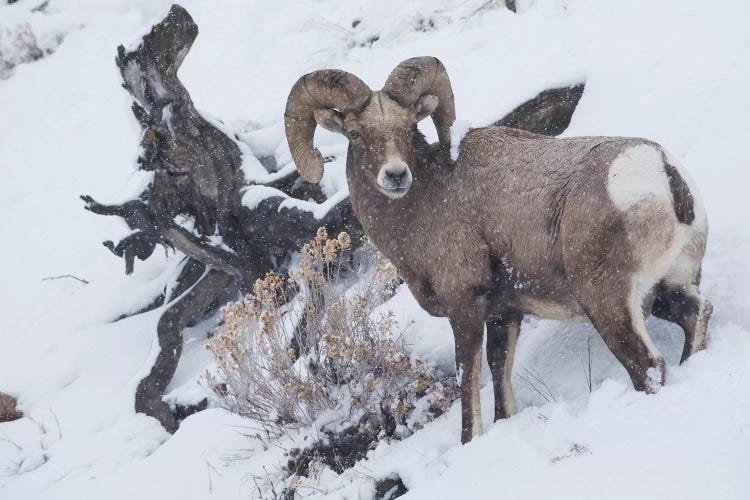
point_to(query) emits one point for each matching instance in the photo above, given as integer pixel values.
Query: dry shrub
(19, 45)
(311, 345)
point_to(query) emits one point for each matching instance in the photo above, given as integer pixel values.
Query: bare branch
(85, 282)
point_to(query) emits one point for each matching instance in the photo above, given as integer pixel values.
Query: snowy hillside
(675, 71)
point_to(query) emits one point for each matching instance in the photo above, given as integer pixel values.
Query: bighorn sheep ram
(599, 229)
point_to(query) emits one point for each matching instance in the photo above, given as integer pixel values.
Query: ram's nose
(394, 179)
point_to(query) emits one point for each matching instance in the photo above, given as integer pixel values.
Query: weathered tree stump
(197, 175)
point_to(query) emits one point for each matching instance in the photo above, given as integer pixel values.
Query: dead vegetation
(315, 349)
(19, 45)
(314, 343)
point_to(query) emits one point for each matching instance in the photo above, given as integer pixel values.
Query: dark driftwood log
(548, 113)
(197, 175)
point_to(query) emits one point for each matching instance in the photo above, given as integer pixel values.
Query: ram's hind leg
(502, 334)
(619, 320)
(684, 306)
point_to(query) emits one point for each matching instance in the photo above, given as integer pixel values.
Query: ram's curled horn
(324, 89)
(421, 76)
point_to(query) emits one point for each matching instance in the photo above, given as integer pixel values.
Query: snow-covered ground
(675, 71)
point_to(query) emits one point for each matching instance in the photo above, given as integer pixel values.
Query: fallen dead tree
(197, 178)
(196, 175)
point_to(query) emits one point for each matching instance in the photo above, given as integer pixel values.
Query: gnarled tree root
(188, 308)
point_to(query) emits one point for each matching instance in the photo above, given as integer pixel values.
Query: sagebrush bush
(19, 45)
(312, 342)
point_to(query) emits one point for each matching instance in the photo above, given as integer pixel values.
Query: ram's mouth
(395, 193)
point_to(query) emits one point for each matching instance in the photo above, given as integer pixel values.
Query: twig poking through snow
(210, 468)
(11, 442)
(575, 450)
(587, 367)
(49, 278)
(534, 381)
(57, 421)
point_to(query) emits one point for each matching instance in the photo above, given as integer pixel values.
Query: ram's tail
(682, 198)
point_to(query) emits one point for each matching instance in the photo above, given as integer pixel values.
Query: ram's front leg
(468, 329)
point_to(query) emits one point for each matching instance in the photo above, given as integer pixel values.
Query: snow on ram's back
(329, 380)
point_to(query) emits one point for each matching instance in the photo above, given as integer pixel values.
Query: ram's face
(381, 138)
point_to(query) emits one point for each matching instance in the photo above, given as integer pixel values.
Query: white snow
(458, 131)
(253, 195)
(675, 71)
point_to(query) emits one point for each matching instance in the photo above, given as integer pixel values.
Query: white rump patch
(458, 131)
(637, 174)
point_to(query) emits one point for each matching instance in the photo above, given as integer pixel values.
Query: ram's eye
(354, 135)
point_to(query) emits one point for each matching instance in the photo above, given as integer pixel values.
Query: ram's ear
(425, 106)
(330, 119)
